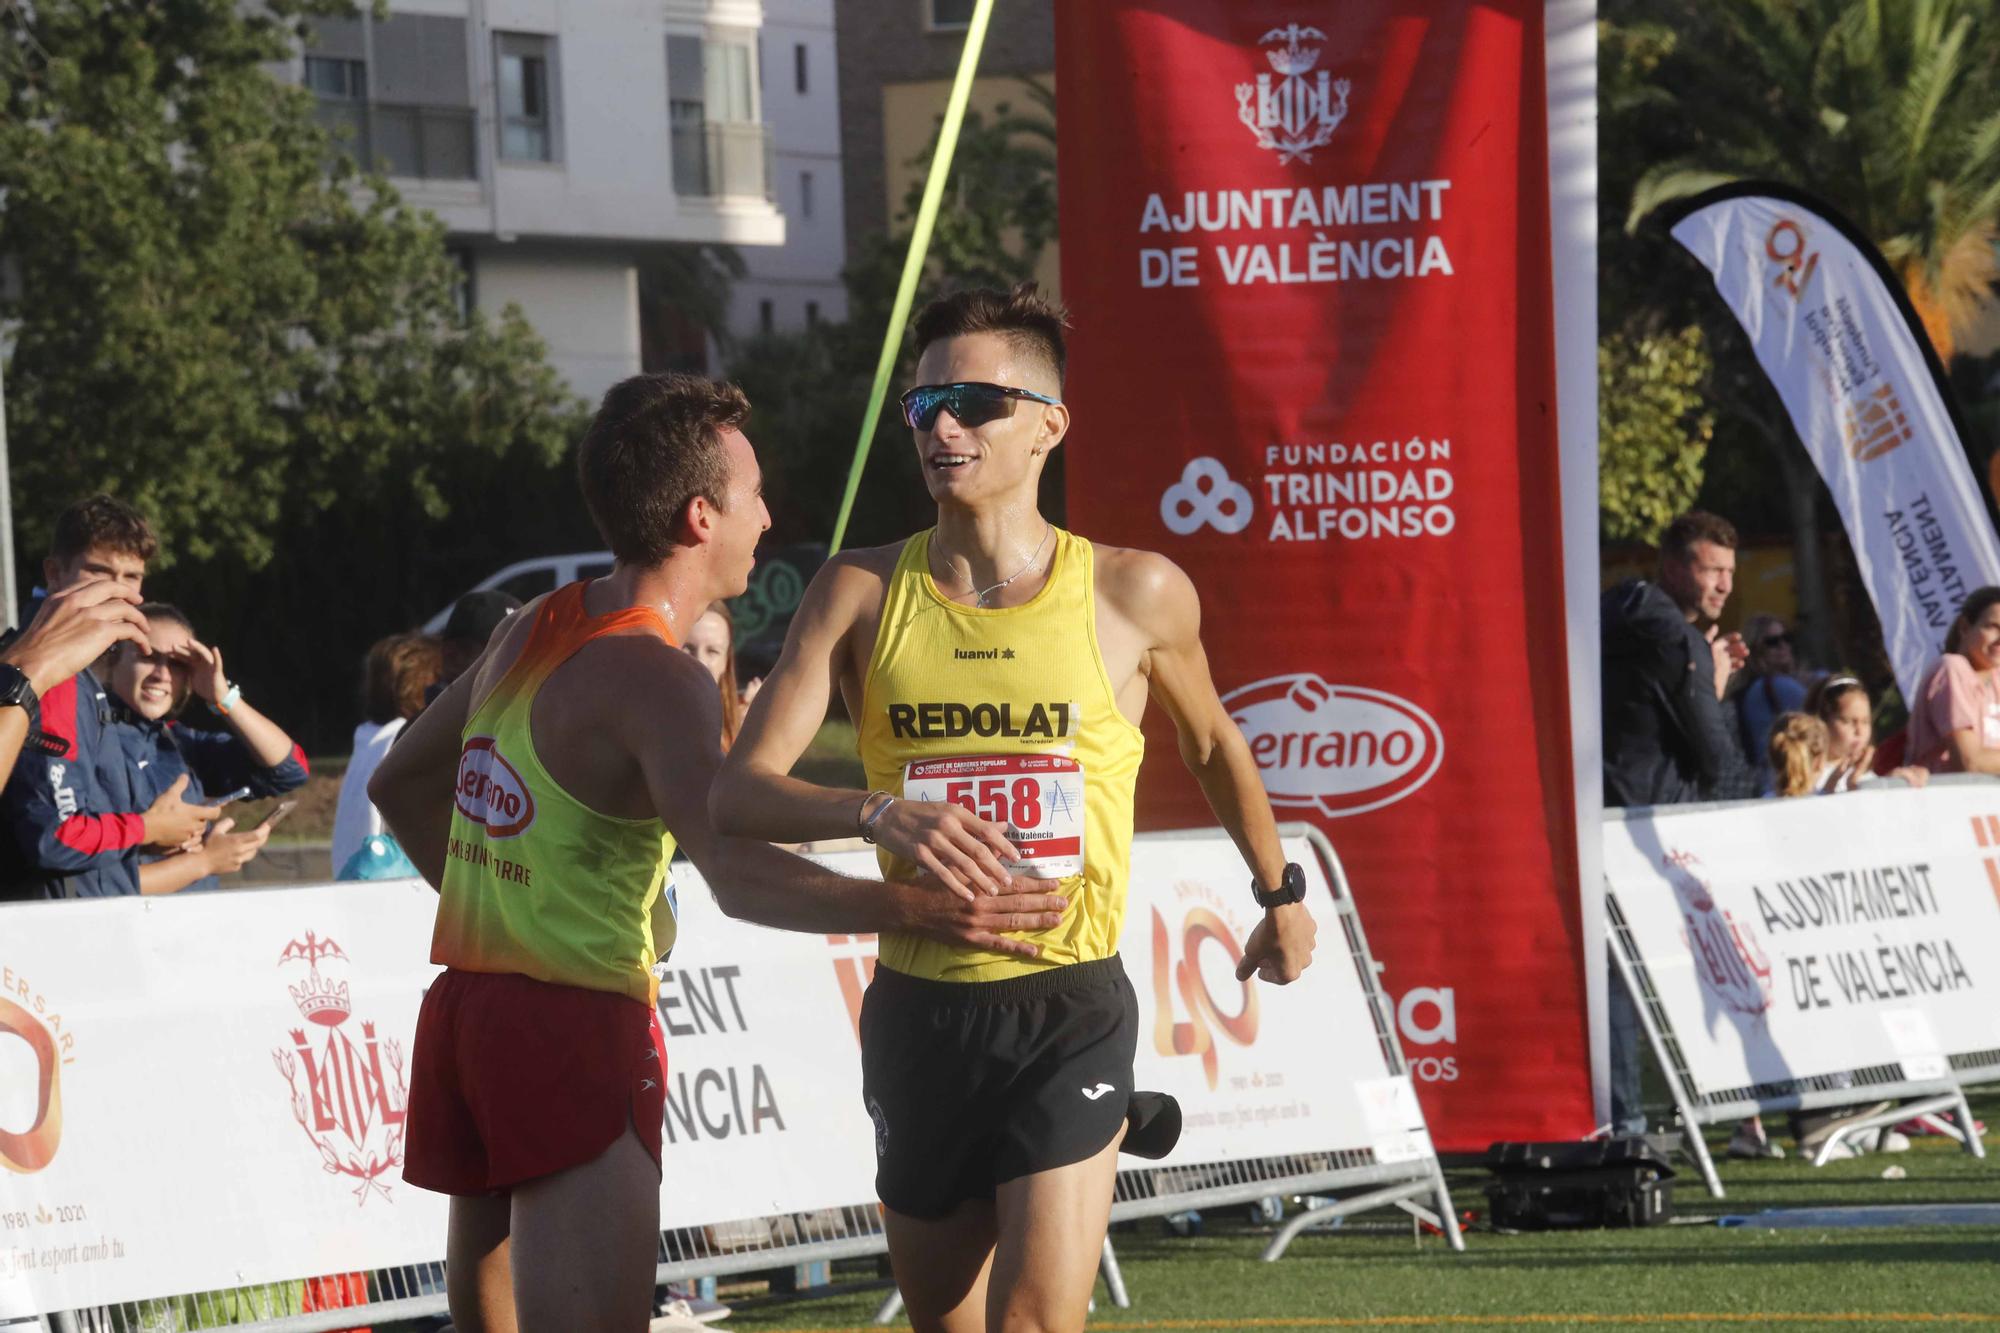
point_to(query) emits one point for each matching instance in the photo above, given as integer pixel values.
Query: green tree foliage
(219, 318)
(997, 216)
(1653, 429)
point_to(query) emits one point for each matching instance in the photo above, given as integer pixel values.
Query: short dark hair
(397, 672)
(1030, 322)
(102, 521)
(165, 611)
(1696, 525)
(655, 444)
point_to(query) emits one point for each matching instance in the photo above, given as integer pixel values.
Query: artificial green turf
(1375, 1268)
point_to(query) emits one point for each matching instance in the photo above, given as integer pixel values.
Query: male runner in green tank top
(1001, 665)
(543, 794)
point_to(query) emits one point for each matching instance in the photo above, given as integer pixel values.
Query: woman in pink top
(1955, 718)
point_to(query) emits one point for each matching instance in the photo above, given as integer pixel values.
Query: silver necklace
(979, 595)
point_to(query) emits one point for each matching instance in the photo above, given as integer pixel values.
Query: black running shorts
(972, 1084)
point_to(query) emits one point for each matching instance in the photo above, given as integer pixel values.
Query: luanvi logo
(982, 654)
(1341, 749)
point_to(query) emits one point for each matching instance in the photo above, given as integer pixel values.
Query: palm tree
(1890, 111)
(1887, 109)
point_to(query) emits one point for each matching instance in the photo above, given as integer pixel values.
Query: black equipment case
(1621, 1182)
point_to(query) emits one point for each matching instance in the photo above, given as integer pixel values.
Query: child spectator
(396, 678)
(1841, 702)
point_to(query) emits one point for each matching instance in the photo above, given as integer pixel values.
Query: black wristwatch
(16, 692)
(1291, 888)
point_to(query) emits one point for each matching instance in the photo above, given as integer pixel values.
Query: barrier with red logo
(207, 1091)
(1306, 249)
(1820, 952)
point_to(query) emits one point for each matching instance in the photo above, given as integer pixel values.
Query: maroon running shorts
(514, 1078)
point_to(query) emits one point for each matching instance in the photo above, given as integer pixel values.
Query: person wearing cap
(473, 619)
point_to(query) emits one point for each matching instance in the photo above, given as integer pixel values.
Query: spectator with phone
(155, 778)
(52, 843)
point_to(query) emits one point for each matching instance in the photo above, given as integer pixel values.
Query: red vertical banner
(1306, 247)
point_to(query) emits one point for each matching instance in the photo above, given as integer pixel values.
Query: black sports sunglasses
(972, 404)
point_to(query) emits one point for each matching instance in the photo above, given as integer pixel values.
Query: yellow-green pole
(913, 262)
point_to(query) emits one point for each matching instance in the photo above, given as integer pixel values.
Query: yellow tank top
(536, 882)
(1008, 711)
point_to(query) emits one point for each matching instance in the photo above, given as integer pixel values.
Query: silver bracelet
(867, 825)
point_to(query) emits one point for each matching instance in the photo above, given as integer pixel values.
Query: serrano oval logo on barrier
(491, 792)
(1340, 749)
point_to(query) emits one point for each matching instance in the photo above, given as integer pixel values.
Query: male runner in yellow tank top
(997, 668)
(543, 794)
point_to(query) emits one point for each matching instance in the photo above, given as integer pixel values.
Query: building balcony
(419, 142)
(717, 160)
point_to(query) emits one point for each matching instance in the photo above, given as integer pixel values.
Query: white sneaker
(1890, 1140)
(690, 1311)
(1843, 1150)
(673, 1323)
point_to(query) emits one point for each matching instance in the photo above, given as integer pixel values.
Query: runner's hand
(1281, 946)
(73, 629)
(964, 851)
(228, 851)
(979, 920)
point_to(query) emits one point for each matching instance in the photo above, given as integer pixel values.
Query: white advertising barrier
(226, 1074)
(1789, 940)
(207, 1091)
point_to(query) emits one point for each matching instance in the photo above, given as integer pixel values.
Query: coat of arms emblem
(1731, 964)
(1296, 113)
(347, 1103)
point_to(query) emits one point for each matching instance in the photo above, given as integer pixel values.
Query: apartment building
(563, 144)
(897, 59)
(789, 287)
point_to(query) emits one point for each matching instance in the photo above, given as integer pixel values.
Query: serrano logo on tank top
(944, 722)
(491, 792)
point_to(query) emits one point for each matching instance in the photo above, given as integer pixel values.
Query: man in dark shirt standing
(1667, 739)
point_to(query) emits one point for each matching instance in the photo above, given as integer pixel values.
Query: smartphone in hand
(277, 814)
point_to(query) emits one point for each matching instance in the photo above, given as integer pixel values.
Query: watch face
(14, 688)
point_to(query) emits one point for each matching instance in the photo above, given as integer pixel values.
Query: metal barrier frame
(748, 1245)
(1925, 1098)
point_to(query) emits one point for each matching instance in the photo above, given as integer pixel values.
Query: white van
(526, 580)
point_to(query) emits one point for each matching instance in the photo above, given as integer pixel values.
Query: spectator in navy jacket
(106, 829)
(99, 539)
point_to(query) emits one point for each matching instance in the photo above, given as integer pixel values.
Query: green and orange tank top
(1009, 712)
(536, 882)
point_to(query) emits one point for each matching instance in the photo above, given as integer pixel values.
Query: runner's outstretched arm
(680, 751)
(1156, 596)
(756, 796)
